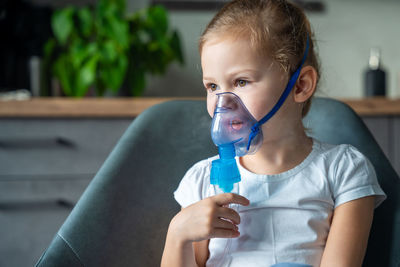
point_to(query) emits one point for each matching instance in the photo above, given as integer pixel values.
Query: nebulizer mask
(230, 129)
(237, 133)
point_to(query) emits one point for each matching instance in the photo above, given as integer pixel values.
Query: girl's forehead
(228, 37)
(224, 50)
(235, 33)
(225, 46)
(238, 40)
(231, 57)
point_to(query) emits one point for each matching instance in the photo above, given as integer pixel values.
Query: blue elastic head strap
(256, 127)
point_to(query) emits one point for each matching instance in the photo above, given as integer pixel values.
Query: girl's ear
(305, 85)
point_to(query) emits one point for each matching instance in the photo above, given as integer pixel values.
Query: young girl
(299, 200)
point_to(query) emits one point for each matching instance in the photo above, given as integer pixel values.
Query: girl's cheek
(210, 111)
(251, 104)
(211, 103)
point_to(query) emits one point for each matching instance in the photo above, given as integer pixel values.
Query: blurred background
(345, 32)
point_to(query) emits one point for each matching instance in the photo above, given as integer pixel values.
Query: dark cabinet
(386, 130)
(45, 165)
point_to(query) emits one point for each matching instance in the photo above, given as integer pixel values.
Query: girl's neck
(279, 154)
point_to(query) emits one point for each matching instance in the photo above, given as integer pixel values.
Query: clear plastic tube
(235, 207)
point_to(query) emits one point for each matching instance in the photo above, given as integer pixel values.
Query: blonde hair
(276, 28)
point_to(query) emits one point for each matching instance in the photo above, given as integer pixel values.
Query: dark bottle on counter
(375, 76)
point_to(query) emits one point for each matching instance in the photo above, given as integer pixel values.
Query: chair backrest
(123, 216)
(334, 122)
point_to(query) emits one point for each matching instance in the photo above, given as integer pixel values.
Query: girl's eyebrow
(208, 79)
(235, 73)
(251, 71)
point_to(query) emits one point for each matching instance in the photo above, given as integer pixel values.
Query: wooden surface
(375, 106)
(85, 107)
(131, 107)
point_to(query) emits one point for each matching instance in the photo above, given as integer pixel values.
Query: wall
(345, 34)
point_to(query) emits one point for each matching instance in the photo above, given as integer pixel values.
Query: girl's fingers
(224, 233)
(228, 213)
(229, 198)
(224, 224)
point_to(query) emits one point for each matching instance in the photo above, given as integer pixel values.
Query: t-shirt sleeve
(355, 178)
(192, 187)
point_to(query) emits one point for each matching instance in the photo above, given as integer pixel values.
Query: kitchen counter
(132, 107)
(85, 107)
(378, 106)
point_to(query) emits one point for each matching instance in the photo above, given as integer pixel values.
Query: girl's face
(232, 65)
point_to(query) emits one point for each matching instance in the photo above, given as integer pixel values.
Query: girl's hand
(207, 219)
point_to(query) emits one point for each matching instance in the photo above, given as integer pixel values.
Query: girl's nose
(225, 88)
(227, 100)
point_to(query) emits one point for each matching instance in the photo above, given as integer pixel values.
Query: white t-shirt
(289, 215)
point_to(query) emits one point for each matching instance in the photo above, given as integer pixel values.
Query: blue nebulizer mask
(237, 133)
(230, 129)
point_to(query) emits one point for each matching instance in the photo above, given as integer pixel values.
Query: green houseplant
(100, 47)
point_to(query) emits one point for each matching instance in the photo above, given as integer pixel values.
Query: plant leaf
(119, 30)
(86, 76)
(137, 82)
(176, 47)
(85, 18)
(77, 53)
(158, 20)
(62, 24)
(109, 51)
(61, 71)
(49, 48)
(113, 76)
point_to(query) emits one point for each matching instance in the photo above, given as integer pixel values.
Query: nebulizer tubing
(224, 171)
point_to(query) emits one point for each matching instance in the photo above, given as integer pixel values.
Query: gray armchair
(122, 217)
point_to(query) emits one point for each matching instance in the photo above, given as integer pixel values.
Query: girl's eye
(212, 87)
(241, 83)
